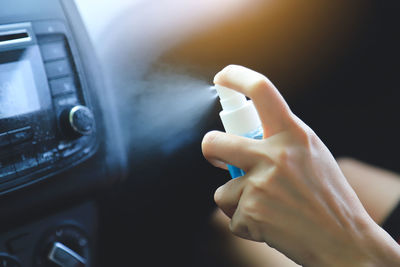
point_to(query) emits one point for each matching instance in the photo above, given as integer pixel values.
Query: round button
(77, 121)
(81, 120)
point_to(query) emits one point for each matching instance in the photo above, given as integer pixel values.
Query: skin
(294, 196)
(378, 190)
(239, 252)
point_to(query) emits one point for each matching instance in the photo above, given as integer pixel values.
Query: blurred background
(335, 62)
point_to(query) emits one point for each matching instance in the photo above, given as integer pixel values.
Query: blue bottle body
(236, 172)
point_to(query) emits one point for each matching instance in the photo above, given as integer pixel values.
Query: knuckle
(235, 228)
(259, 153)
(308, 136)
(304, 134)
(259, 86)
(239, 227)
(288, 158)
(313, 139)
(258, 185)
(255, 216)
(262, 182)
(284, 156)
(249, 208)
(253, 213)
(290, 161)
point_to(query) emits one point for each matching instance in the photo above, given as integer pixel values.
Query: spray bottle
(239, 117)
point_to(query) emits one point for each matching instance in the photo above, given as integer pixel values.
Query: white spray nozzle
(230, 99)
(224, 92)
(238, 115)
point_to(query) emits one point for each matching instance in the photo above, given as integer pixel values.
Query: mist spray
(239, 117)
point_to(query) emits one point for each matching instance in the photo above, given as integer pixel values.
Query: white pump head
(230, 99)
(238, 115)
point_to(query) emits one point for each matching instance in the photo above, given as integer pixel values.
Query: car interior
(103, 106)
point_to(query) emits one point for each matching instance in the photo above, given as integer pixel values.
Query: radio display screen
(18, 92)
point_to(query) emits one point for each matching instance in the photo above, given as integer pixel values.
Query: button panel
(67, 100)
(48, 157)
(20, 135)
(53, 51)
(62, 86)
(26, 164)
(49, 27)
(28, 149)
(56, 69)
(71, 150)
(17, 136)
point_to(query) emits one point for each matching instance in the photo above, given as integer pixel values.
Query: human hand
(294, 196)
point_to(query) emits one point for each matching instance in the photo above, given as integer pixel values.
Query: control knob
(63, 256)
(77, 120)
(64, 246)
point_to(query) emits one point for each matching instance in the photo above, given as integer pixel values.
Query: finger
(228, 195)
(235, 150)
(242, 226)
(272, 108)
(238, 227)
(245, 221)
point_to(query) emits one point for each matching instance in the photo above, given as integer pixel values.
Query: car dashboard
(103, 105)
(58, 137)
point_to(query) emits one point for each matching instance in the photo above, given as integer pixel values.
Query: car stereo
(46, 120)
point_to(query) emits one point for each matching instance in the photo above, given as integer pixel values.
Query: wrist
(382, 249)
(373, 247)
(368, 246)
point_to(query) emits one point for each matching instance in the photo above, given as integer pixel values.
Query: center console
(46, 119)
(59, 139)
